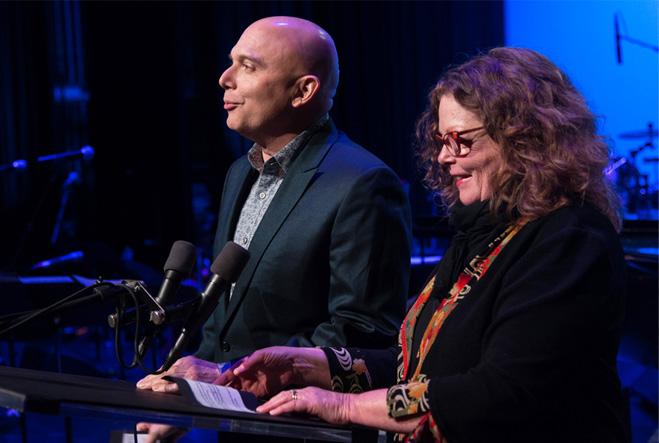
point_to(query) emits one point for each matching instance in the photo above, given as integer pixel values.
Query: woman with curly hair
(515, 335)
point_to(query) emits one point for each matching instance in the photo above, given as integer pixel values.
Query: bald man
(326, 222)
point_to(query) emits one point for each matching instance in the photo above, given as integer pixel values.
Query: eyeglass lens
(452, 144)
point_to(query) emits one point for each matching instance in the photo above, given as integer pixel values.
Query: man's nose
(226, 81)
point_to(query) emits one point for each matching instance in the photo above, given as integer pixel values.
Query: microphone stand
(102, 292)
(70, 181)
(30, 226)
(620, 37)
(86, 153)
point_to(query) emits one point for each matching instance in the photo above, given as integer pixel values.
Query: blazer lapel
(291, 190)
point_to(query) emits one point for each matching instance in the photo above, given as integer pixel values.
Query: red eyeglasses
(456, 146)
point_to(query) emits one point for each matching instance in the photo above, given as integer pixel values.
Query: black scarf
(475, 231)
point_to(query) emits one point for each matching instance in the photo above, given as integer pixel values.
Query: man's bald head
(308, 47)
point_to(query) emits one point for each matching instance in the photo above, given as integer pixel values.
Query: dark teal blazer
(330, 260)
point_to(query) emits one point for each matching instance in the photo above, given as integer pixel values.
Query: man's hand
(158, 432)
(188, 367)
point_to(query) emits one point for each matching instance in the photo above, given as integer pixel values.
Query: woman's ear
(306, 88)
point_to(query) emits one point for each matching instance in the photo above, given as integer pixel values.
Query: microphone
(72, 257)
(615, 17)
(178, 267)
(18, 165)
(87, 153)
(226, 269)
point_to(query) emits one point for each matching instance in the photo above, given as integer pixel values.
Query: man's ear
(306, 88)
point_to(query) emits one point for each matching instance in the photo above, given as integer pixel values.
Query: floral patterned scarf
(461, 288)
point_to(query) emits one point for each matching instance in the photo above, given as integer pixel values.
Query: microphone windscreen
(230, 262)
(182, 258)
(87, 152)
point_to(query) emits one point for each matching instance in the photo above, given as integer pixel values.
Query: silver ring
(293, 394)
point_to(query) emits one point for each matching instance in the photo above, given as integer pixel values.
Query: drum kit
(638, 191)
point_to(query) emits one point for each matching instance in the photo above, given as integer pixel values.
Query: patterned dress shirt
(271, 174)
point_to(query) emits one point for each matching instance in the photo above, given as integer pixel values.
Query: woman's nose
(444, 156)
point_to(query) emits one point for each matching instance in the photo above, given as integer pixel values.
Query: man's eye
(248, 67)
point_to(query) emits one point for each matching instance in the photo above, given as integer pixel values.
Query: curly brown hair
(552, 154)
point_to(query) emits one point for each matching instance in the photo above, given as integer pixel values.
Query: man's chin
(234, 126)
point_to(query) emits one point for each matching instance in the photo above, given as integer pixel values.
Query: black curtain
(153, 110)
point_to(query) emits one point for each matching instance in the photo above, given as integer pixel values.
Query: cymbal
(644, 133)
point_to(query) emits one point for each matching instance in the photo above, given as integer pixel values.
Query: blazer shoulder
(331, 149)
(352, 157)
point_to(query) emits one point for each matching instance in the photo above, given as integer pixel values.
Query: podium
(76, 396)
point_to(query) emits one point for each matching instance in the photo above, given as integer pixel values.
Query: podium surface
(76, 396)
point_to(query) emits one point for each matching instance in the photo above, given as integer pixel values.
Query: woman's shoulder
(574, 217)
(582, 228)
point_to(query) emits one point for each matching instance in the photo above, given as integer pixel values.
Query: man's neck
(270, 148)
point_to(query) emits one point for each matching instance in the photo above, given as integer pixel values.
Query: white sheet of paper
(220, 397)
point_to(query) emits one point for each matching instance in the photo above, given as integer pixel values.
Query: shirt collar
(287, 155)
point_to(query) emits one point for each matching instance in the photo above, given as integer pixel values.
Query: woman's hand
(268, 371)
(366, 409)
(332, 407)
